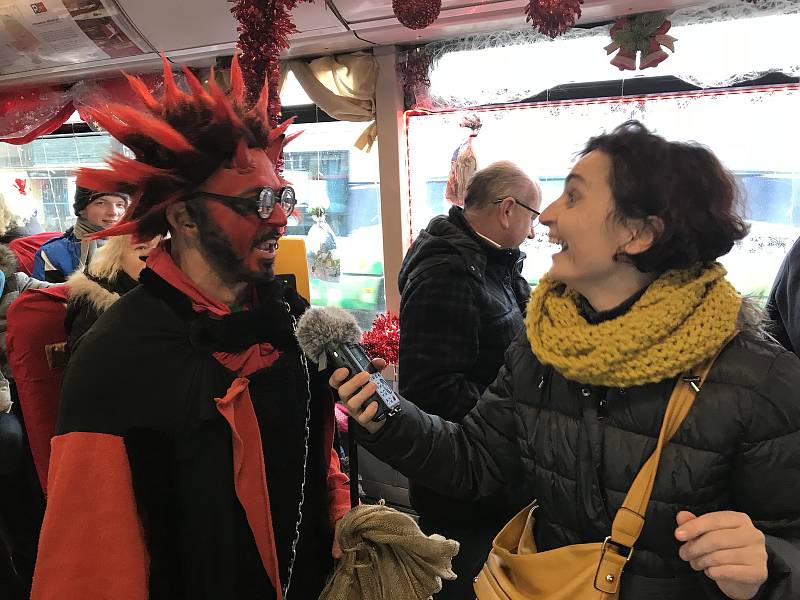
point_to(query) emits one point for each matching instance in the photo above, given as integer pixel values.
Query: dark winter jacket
(57, 259)
(577, 449)
(462, 304)
(89, 297)
(138, 415)
(783, 306)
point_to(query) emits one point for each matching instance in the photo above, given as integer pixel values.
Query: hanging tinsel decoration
(383, 340)
(553, 17)
(264, 30)
(416, 14)
(414, 72)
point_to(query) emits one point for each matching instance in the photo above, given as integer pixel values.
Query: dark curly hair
(684, 185)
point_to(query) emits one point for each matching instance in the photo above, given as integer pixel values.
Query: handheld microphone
(330, 337)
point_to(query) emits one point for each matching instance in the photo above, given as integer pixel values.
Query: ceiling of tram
(196, 32)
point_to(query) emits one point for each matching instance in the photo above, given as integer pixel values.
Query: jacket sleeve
(92, 538)
(783, 306)
(38, 266)
(44, 269)
(31, 283)
(767, 476)
(470, 460)
(78, 321)
(439, 343)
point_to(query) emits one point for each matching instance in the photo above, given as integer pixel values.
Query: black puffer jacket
(462, 304)
(578, 448)
(783, 306)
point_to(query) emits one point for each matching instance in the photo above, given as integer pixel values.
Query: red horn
(237, 82)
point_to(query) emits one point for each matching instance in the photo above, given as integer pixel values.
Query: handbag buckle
(617, 546)
(610, 583)
(693, 381)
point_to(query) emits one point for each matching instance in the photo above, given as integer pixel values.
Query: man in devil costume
(194, 452)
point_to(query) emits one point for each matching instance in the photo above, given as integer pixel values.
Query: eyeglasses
(535, 213)
(263, 200)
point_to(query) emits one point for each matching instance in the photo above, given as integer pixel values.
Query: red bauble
(416, 14)
(553, 17)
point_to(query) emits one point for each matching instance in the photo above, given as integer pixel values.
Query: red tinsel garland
(553, 17)
(383, 340)
(416, 14)
(264, 30)
(415, 73)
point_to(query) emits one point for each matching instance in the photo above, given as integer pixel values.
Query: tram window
(338, 214)
(48, 165)
(753, 131)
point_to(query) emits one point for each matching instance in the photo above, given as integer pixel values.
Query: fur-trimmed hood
(83, 289)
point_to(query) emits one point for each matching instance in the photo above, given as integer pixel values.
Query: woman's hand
(353, 396)
(728, 548)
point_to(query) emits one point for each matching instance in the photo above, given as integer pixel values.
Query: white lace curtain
(717, 45)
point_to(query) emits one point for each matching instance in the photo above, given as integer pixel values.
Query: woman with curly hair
(634, 301)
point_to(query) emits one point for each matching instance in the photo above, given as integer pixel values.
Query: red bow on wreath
(645, 33)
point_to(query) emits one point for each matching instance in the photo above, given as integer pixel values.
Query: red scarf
(249, 471)
(247, 362)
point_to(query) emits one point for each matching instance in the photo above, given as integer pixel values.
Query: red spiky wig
(178, 142)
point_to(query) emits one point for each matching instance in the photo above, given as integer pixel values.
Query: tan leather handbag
(516, 571)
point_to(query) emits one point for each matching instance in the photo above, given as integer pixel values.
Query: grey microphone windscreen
(320, 330)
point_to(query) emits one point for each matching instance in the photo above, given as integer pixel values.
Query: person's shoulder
(764, 374)
(754, 349)
(63, 240)
(138, 312)
(444, 265)
(136, 349)
(431, 260)
(58, 250)
(519, 351)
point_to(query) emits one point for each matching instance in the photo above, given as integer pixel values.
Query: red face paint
(253, 239)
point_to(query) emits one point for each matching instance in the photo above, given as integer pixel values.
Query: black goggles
(263, 200)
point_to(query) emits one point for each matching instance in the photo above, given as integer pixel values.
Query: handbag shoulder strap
(629, 520)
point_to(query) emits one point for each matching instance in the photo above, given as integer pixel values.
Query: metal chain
(305, 461)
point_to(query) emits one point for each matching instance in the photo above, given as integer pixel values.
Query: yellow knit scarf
(683, 318)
